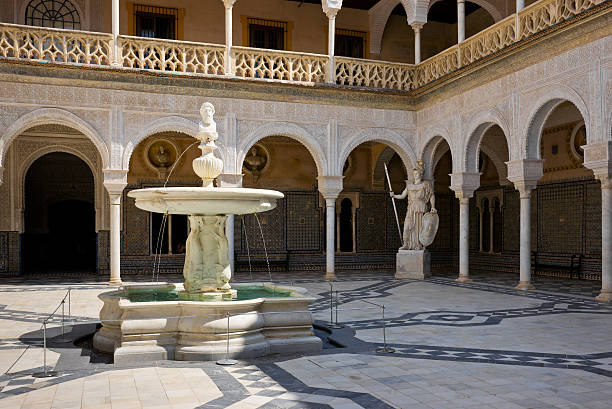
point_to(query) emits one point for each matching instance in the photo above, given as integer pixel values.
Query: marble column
(330, 209)
(228, 4)
(520, 5)
(606, 239)
(330, 187)
(115, 28)
(417, 41)
(464, 184)
(525, 236)
(115, 239)
(460, 20)
(464, 240)
(331, 43)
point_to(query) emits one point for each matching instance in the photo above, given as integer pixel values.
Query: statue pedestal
(412, 264)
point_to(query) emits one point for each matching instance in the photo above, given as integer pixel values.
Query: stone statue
(419, 194)
(255, 163)
(207, 266)
(207, 126)
(207, 166)
(163, 157)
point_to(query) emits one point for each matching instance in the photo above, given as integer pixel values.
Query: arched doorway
(59, 234)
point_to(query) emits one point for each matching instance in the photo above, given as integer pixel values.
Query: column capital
(231, 179)
(416, 25)
(524, 174)
(115, 180)
(598, 158)
(330, 186)
(464, 184)
(228, 3)
(331, 7)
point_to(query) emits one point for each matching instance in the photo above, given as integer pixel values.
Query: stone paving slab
(480, 344)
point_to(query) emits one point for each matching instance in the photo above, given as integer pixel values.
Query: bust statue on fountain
(207, 166)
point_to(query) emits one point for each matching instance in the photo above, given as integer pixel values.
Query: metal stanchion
(227, 360)
(384, 349)
(44, 373)
(332, 324)
(62, 339)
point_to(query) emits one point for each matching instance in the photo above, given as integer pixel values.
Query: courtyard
(457, 345)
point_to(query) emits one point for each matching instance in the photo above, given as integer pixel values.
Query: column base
(463, 279)
(115, 282)
(413, 264)
(524, 285)
(330, 275)
(604, 296)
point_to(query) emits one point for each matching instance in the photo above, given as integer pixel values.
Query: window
(174, 235)
(156, 22)
(351, 43)
(53, 14)
(270, 34)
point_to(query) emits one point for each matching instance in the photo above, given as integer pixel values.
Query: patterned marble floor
(480, 344)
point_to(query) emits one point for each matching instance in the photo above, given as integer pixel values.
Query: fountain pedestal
(194, 325)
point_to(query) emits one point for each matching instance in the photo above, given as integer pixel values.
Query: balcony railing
(169, 55)
(192, 58)
(54, 45)
(278, 65)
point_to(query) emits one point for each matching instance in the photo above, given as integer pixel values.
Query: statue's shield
(429, 228)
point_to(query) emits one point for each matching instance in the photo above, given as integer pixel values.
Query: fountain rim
(208, 193)
(301, 295)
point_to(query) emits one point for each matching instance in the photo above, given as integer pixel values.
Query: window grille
(52, 14)
(270, 34)
(156, 22)
(350, 43)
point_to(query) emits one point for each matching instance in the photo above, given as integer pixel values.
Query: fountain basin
(205, 200)
(136, 331)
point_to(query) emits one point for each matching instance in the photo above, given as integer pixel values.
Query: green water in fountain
(243, 293)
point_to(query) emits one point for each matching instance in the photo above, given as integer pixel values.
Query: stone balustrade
(54, 45)
(489, 41)
(278, 65)
(96, 49)
(374, 74)
(170, 55)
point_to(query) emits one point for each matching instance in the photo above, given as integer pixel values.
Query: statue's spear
(394, 208)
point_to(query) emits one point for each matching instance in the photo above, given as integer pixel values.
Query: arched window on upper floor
(52, 14)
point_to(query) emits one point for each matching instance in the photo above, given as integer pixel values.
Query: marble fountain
(191, 321)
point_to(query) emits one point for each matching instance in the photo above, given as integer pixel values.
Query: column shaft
(464, 245)
(520, 5)
(115, 28)
(331, 42)
(606, 243)
(330, 206)
(228, 39)
(115, 240)
(460, 20)
(417, 45)
(525, 247)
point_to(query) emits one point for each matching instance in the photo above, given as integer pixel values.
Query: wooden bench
(574, 265)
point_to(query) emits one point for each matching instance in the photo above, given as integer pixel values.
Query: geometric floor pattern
(457, 345)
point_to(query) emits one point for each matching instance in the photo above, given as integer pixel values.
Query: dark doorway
(346, 225)
(59, 216)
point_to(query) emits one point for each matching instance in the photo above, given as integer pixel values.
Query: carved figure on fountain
(207, 166)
